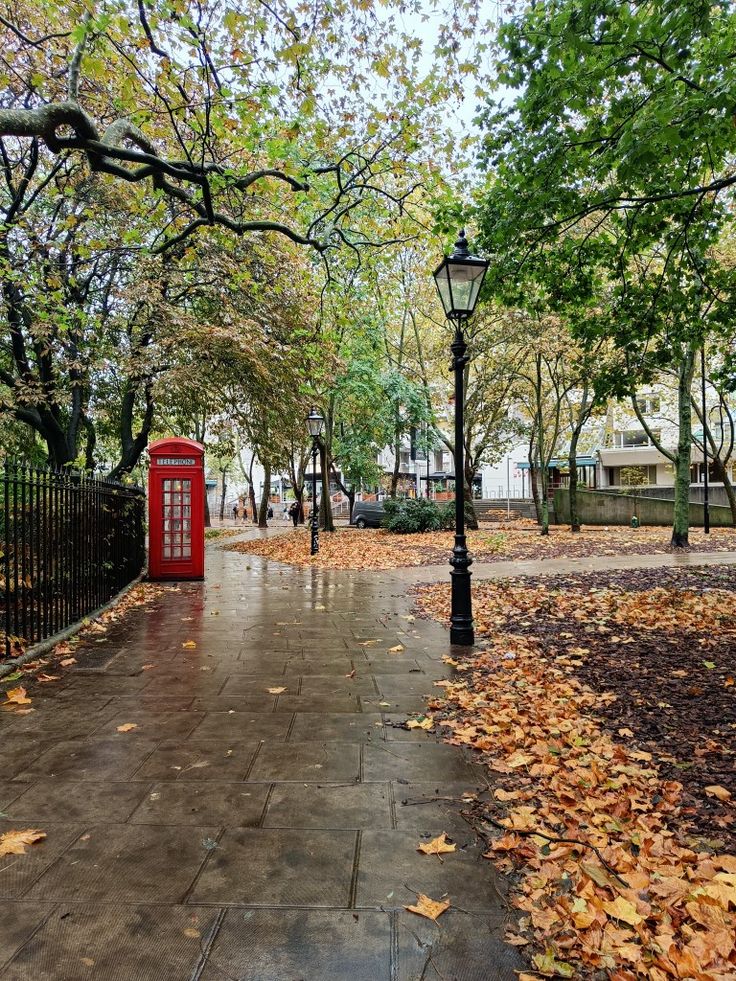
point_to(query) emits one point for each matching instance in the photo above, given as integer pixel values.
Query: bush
(408, 516)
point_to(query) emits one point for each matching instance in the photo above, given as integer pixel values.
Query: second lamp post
(459, 278)
(315, 422)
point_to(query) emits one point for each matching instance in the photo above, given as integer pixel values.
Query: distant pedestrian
(235, 511)
(285, 512)
(269, 513)
(294, 513)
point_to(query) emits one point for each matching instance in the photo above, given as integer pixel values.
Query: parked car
(368, 514)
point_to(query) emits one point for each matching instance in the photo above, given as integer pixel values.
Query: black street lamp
(459, 278)
(315, 422)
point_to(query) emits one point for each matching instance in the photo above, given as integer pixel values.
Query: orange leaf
(127, 727)
(68, 661)
(437, 846)
(14, 842)
(396, 650)
(717, 791)
(431, 908)
(189, 644)
(18, 696)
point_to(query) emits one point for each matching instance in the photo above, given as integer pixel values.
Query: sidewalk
(237, 832)
(563, 566)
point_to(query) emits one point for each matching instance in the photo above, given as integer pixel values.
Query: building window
(404, 458)
(650, 405)
(439, 463)
(634, 437)
(637, 476)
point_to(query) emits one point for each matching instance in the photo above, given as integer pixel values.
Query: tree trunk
(471, 518)
(253, 504)
(299, 498)
(722, 475)
(573, 467)
(534, 488)
(265, 497)
(350, 494)
(222, 495)
(326, 521)
(681, 517)
(544, 499)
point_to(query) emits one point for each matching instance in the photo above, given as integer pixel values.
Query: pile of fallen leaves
(349, 548)
(610, 884)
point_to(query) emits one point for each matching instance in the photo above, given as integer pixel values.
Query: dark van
(368, 514)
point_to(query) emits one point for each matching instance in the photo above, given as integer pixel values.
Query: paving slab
(117, 943)
(276, 945)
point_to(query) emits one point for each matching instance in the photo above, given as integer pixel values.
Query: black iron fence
(68, 543)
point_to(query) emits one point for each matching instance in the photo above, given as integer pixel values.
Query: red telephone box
(176, 509)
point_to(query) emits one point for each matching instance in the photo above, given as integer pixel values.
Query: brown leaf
(14, 842)
(68, 661)
(431, 908)
(48, 677)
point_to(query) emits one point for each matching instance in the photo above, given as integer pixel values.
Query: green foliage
(406, 516)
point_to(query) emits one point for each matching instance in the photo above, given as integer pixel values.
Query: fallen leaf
(717, 791)
(192, 932)
(437, 846)
(87, 961)
(396, 650)
(431, 908)
(68, 661)
(147, 667)
(189, 644)
(500, 794)
(48, 677)
(421, 723)
(275, 691)
(622, 909)
(14, 842)
(548, 965)
(18, 696)
(127, 727)
(351, 675)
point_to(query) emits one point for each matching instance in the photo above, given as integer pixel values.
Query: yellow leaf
(423, 723)
(14, 842)
(548, 965)
(622, 909)
(396, 650)
(18, 696)
(192, 932)
(127, 727)
(189, 644)
(717, 791)
(275, 691)
(431, 908)
(437, 846)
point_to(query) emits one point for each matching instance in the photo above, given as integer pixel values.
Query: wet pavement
(239, 832)
(565, 566)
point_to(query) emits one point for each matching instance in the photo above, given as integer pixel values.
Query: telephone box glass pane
(176, 508)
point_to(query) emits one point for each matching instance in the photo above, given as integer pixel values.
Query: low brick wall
(607, 508)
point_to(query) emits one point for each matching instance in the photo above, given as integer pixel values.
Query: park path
(565, 566)
(237, 832)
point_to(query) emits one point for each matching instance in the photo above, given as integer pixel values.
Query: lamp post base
(461, 618)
